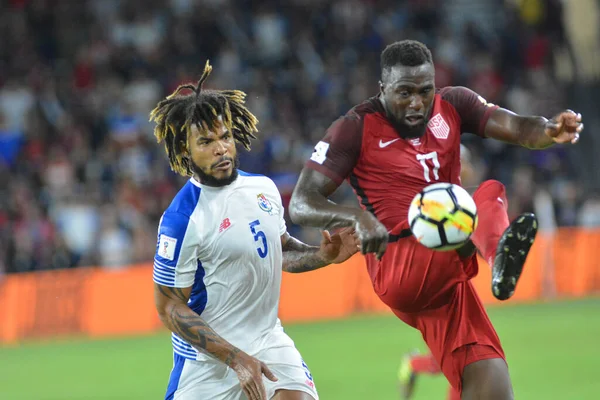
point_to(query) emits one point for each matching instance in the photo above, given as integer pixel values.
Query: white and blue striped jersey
(224, 242)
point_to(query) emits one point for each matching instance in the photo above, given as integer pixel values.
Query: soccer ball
(442, 216)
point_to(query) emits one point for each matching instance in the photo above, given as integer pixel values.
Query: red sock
(453, 394)
(425, 364)
(492, 206)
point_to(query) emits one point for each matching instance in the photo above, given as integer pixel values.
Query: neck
(216, 183)
(382, 102)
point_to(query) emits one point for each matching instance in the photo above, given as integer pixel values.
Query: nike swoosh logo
(383, 144)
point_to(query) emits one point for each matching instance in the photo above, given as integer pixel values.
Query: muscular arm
(488, 120)
(526, 131)
(171, 304)
(310, 205)
(300, 257)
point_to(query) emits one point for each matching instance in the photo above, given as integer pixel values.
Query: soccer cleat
(406, 376)
(511, 253)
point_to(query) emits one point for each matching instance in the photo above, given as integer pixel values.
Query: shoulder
(186, 200)
(350, 125)
(249, 174)
(452, 93)
(472, 109)
(459, 96)
(259, 180)
(261, 188)
(370, 106)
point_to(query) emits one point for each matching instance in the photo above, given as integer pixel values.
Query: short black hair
(409, 53)
(175, 115)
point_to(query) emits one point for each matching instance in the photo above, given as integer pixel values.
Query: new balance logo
(383, 144)
(224, 225)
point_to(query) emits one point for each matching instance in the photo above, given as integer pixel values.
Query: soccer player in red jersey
(389, 148)
(415, 364)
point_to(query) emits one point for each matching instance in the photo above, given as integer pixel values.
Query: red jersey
(387, 171)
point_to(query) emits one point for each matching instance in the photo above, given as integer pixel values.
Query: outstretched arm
(534, 132)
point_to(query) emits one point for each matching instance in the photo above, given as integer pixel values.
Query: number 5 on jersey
(423, 158)
(259, 235)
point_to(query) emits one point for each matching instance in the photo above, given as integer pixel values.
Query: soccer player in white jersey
(222, 246)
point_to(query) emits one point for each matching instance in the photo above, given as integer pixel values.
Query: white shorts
(194, 380)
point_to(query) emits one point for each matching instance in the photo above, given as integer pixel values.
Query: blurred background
(83, 182)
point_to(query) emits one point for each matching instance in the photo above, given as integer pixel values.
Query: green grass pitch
(553, 351)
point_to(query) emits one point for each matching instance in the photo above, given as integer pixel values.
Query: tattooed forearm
(194, 330)
(179, 318)
(300, 257)
(293, 244)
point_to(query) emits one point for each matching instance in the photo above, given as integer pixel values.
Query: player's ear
(380, 87)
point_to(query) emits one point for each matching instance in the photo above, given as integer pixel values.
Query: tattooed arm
(171, 304)
(300, 257)
(334, 249)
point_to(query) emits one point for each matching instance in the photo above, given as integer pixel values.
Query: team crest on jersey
(439, 127)
(264, 204)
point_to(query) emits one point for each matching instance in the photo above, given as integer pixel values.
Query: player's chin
(223, 177)
(415, 130)
(222, 174)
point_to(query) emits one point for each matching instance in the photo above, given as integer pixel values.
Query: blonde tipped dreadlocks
(175, 116)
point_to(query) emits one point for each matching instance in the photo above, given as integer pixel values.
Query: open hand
(565, 127)
(340, 246)
(250, 372)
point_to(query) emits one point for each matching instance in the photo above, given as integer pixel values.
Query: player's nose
(220, 148)
(416, 103)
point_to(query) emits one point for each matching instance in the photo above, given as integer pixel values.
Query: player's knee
(487, 380)
(490, 189)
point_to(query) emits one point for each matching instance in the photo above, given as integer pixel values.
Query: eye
(404, 94)
(426, 90)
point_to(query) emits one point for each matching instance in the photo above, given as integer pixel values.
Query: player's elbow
(295, 209)
(163, 316)
(163, 312)
(300, 207)
(164, 308)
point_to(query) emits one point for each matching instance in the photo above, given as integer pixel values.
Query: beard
(210, 180)
(409, 131)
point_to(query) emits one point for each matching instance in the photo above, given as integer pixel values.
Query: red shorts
(430, 291)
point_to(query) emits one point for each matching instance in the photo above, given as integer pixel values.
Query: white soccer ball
(443, 216)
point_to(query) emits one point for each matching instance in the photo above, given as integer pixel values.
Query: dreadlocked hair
(178, 113)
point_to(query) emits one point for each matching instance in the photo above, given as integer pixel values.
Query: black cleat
(511, 254)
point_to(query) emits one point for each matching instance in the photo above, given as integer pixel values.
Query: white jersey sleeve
(282, 225)
(175, 261)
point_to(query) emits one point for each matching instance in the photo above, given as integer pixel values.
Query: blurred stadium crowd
(83, 181)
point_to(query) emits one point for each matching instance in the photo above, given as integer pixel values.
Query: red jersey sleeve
(474, 110)
(336, 155)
